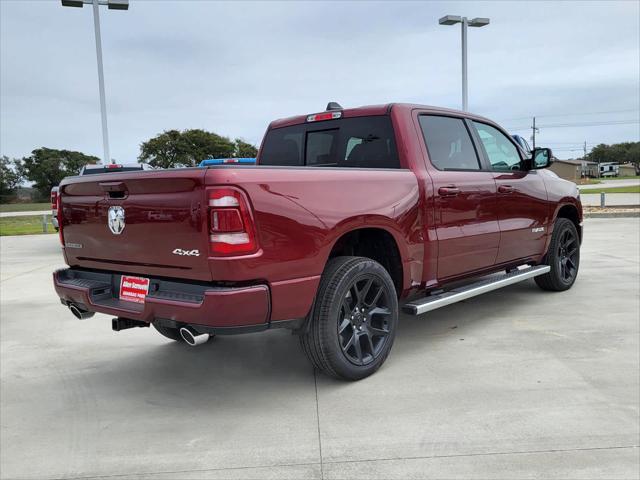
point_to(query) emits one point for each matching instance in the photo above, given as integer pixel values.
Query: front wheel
(353, 323)
(563, 257)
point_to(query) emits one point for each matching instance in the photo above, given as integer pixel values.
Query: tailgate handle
(114, 189)
(113, 186)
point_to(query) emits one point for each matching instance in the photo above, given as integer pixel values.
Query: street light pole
(112, 5)
(465, 94)
(476, 22)
(103, 102)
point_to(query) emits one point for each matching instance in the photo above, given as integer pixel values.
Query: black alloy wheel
(563, 256)
(352, 325)
(363, 322)
(567, 255)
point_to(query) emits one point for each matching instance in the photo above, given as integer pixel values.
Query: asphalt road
(518, 383)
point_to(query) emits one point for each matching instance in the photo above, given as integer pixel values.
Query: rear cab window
(96, 170)
(357, 142)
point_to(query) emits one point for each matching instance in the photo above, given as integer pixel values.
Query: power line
(573, 114)
(570, 143)
(578, 124)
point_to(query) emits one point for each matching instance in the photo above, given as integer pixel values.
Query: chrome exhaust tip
(79, 313)
(192, 338)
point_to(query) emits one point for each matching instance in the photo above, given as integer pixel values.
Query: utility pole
(585, 150)
(533, 137)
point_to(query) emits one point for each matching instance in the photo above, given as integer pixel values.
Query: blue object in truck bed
(223, 161)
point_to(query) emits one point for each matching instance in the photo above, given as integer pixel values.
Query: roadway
(518, 383)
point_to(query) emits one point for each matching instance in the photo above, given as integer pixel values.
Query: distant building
(573, 169)
(609, 169)
(627, 170)
(589, 169)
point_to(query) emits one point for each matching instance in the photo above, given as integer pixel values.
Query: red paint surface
(242, 307)
(300, 213)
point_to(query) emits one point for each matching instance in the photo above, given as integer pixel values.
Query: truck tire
(354, 318)
(171, 333)
(563, 257)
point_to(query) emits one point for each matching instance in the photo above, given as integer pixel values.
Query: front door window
(502, 153)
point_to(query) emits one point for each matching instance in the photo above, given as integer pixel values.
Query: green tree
(244, 149)
(187, 148)
(10, 178)
(627, 152)
(46, 167)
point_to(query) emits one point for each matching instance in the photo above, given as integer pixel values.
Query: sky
(232, 67)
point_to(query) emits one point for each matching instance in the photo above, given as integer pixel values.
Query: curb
(612, 215)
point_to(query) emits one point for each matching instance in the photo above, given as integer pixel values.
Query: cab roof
(371, 110)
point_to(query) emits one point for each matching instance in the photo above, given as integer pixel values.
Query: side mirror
(541, 158)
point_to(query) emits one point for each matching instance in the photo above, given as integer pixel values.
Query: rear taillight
(59, 216)
(112, 166)
(231, 229)
(54, 200)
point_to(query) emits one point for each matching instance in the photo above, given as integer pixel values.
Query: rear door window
(359, 142)
(448, 143)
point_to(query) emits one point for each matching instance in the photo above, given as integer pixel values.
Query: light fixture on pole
(112, 5)
(476, 22)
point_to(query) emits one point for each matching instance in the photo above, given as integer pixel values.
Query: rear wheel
(353, 323)
(563, 257)
(171, 333)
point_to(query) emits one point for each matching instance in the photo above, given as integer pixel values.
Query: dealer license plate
(133, 289)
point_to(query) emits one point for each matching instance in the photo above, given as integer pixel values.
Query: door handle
(450, 191)
(505, 189)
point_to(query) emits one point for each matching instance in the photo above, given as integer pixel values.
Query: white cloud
(231, 67)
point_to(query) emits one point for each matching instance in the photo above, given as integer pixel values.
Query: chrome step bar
(432, 302)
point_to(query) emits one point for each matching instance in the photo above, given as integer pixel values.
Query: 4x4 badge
(186, 253)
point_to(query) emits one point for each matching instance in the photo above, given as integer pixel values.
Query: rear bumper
(168, 301)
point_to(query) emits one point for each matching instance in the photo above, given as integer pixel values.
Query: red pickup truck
(349, 216)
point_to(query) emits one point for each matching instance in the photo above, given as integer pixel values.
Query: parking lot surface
(518, 383)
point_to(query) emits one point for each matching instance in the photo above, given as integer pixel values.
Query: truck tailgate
(165, 224)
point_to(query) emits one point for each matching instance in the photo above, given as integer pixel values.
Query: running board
(426, 304)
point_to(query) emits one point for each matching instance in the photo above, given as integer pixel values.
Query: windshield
(360, 142)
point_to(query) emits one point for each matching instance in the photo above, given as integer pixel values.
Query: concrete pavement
(518, 383)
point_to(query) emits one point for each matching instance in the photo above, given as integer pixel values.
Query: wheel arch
(377, 243)
(571, 212)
